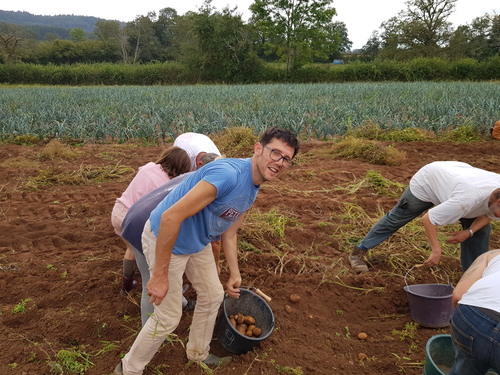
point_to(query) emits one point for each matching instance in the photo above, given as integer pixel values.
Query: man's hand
(157, 288)
(432, 260)
(458, 237)
(233, 285)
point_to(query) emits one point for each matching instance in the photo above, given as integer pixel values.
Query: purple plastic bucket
(430, 304)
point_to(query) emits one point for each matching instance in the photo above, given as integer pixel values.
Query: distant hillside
(59, 25)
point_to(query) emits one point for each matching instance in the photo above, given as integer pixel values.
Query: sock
(128, 267)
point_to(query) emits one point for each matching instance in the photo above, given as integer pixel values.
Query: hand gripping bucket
(430, 304)
(249, 303)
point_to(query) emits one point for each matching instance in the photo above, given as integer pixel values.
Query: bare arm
(462, 235)
(230, 241)
(473, 273)
(432, 237)
(193, 202)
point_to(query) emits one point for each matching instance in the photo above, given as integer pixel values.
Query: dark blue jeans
(476, 341)
(410, 207)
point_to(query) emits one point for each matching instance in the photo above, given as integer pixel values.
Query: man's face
(494, 206)
(267, 168)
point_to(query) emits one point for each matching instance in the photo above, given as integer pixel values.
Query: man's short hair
(281, 134)
(208, 157)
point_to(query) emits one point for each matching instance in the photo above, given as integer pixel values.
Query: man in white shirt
(451, 191)
(196, 145)
(476, 319)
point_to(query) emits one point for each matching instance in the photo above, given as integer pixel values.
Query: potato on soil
(294, 298)
(362, 336)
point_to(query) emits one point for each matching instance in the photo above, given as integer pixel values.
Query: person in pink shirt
(173, 162)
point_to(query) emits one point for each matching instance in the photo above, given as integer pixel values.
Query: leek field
(122, 113)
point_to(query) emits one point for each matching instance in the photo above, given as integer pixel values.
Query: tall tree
(141, 37)
(293, 28)
(422, 30)
(478, 40)
(14, 40)
(215, 45)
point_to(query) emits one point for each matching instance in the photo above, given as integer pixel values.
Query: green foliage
(370, 151)
(294, 30)
(464, 133)
(71, 362)
(233, 140)
(21, 306)
(25, 140)
(158, 114)
(86, 175)
(382, 185)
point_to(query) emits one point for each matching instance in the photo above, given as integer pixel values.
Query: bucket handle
(411, 269)
(258, 292)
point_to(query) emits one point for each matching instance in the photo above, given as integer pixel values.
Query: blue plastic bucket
(430, 304)
(439, 355)
(249, 303)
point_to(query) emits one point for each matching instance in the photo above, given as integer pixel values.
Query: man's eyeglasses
(276, 156)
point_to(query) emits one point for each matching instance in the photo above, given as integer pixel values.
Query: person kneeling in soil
(476, 320)
(452, 191)
(176, 239)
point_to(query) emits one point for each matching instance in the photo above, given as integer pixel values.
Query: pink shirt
(148, 178)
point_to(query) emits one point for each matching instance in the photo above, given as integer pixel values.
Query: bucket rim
(439, 268)
(407, 288)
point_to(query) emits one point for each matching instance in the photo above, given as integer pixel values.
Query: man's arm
(462, 235)
(202, 194)
(230, 241)
(216, 246)
(432, 237)
(473, 273)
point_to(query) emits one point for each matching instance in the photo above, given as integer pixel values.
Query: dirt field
(60, 268)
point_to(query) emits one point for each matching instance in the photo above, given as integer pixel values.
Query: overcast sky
(361, 17)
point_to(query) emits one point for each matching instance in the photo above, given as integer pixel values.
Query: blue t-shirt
(235, 194)
(138, 213)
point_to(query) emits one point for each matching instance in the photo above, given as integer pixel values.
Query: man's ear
(258, 147)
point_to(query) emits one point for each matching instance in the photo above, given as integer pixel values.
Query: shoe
(118, 369)
(213, 360)
(128, 283)
(357, 260)
(190, 305)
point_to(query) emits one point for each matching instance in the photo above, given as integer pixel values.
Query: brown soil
(58, 251)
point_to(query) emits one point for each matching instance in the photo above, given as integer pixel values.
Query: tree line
(220, 46)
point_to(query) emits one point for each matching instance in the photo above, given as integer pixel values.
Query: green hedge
(172, 73)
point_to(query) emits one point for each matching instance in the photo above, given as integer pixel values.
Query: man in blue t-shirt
(210, 202)
(133, 225)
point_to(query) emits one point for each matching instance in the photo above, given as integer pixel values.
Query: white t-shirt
(193, 144)
(458, 190)
(485, 291)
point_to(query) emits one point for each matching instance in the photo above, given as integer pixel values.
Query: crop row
(318, 110)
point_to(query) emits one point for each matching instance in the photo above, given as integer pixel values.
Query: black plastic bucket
(430, 304)
(249, 303)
